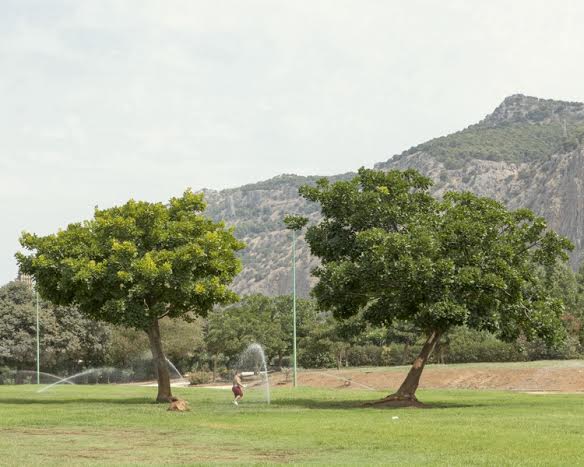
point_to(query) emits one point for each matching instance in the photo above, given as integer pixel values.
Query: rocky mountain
(528, 153)
(256, 212)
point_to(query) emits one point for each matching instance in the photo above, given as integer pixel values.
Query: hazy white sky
(104, 100)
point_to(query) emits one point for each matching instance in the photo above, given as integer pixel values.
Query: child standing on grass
(237, 388)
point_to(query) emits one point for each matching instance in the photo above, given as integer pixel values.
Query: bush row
(460, 346)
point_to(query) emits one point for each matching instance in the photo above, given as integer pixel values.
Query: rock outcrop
(528, 153)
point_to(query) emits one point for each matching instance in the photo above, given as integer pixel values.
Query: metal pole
(38, 347)
(294, 297)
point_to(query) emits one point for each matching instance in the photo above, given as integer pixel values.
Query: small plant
(200, 377)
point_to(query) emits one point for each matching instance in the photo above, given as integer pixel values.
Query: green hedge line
(459, 346)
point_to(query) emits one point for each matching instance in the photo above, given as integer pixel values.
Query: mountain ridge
(527, 153)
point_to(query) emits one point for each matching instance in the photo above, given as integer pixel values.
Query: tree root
(397, 400)
(165, 399)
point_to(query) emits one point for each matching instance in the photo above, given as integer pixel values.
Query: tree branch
(167, 311)
(536, 243)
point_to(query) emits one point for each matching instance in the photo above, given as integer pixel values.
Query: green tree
(183, 343)
(579, 308)
(137, 263)
(128, 347)
(18, 326)
(326, 341)
(261, 319)
(390, 249)
(306, 317)
(321, 347)
(68, 340)
(232, 329)
(562, 283)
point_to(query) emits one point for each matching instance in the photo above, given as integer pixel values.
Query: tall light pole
(294, 301)
(38, 341)
(295, 224)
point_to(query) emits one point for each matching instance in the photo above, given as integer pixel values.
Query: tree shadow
(121, 401)
(364, 404)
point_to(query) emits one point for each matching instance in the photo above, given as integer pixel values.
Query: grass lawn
(119, 425)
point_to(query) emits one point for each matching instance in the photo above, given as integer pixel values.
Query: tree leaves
(390, 249)
(138, 262)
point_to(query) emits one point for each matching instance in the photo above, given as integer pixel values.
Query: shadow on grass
(362, 404)
(121, 401)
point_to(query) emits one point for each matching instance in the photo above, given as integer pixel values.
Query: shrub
(466, 346)
(321, 358)
(399, 354)
(200, 377)
(365, 355)
(569, 349)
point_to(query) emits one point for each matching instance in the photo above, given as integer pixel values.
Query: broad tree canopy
(66, 336)
(392, 250)
(261, 319)
(137, 263)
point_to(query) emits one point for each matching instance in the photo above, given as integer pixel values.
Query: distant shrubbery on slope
(521, 129)
(512, 143)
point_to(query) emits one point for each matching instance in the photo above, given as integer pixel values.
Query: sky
(106, 100)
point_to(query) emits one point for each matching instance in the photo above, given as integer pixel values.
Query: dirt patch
(540, 379)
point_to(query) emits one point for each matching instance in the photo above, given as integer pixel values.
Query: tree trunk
(405, 353)
(406, 394)
(160, 364)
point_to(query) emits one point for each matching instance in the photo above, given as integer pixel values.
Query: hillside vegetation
(521, 129)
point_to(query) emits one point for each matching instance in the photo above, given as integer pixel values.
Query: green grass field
(119, 425)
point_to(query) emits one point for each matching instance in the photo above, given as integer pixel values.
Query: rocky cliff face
(552, 188)
(257, 212)
(527, 109)
(527, 153)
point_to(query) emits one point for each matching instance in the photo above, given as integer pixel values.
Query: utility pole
(295, 224)
(294, 301)
(38, 343)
